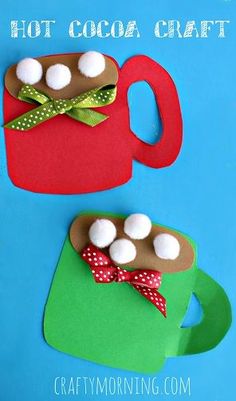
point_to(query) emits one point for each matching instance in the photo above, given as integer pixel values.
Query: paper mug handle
(215, 322)
(166, 150)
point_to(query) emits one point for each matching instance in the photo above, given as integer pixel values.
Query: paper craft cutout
(63, 156)
(79, 84)
(113, 325)
(146, 257)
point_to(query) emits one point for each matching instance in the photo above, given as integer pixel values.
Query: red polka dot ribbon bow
(145, 281)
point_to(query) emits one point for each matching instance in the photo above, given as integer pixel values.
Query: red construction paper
(63, 156)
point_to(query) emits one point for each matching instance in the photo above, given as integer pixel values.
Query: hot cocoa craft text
(161, 29)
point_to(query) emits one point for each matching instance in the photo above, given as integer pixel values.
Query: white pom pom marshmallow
(122, 251)
(91, 64)
(166, 246)
(58, 76)
(29, 71)
(137, 226)
(102, 233)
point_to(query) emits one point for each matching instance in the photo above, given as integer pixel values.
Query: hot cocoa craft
(147, 256)
(110, 321)
(64, 154)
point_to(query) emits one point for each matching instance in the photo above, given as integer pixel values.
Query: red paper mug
(64, 156)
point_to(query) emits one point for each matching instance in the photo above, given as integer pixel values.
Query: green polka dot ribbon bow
(78, 107)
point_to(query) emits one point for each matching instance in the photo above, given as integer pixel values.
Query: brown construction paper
(146, 257)
(79, 83)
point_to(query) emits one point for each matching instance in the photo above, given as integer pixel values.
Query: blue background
(196, 195)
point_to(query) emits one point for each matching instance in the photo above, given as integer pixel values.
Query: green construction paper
(216, 320)
(111, 324)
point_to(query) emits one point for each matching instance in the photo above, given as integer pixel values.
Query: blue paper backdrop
(196, 195)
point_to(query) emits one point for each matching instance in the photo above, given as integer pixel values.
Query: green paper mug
(113, 325)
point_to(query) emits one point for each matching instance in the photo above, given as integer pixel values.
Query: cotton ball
(166, 246)
(122, 251)
(102, 233)
(29, 71)
(91, 64)
(137, 226)
(58, 76)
